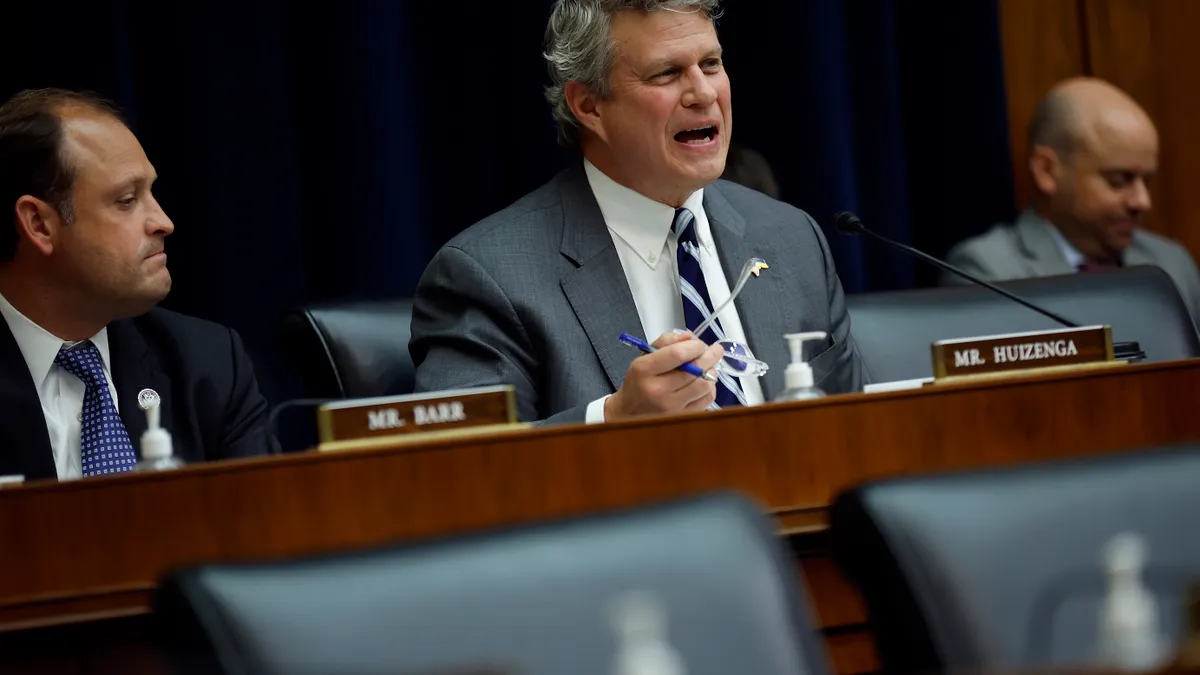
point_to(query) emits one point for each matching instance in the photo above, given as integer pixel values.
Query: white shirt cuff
(595, 411)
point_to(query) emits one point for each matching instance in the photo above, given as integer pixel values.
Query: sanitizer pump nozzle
(798, 376)
(1129, 636)
(157, 451)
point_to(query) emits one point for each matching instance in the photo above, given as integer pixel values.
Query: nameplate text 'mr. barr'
(372, 418)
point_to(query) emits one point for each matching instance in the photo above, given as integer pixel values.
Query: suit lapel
(24, 441)
(135, 367)
(762, 305)
(597, 289)
(1042, 253)
(1137, 253)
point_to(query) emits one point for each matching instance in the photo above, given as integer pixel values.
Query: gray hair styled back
(579, 46)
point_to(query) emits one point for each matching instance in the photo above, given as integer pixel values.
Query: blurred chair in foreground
(993, 571)
(706, 577)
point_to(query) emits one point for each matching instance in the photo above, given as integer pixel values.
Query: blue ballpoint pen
(689, 367)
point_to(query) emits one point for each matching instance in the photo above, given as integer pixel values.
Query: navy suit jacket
(210, 402)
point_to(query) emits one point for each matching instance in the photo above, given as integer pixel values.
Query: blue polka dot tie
(104, 443)
(696, 305)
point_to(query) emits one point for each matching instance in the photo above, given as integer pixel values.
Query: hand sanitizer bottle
(798, 376)
(156, 446)
(1128, 631)
(642, 647)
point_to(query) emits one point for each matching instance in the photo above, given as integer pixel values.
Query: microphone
(273, 418)
(848, 223)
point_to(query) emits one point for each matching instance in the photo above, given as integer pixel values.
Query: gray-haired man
(642, 238)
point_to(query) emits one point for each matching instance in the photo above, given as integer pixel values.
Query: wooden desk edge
(1022, 379)
(26, 612)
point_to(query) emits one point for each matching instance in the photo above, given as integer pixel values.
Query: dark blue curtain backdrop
(312, 151)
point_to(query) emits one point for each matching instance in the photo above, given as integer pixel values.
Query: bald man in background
(1093, 152)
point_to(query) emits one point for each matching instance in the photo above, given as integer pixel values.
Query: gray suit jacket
(535, 296)
(1027, 249)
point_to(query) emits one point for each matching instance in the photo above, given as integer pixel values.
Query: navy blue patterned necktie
(104, 445)
(696, 304)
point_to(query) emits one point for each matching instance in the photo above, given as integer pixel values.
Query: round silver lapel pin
(147, 399)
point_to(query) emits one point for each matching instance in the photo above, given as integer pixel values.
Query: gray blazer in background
(535, 296)
(1028, 249)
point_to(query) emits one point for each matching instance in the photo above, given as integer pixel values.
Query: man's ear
(38, 223)
(1045, 165)
(584, 105)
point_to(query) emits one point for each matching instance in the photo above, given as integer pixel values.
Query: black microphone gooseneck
(273, 418)
(848, 223)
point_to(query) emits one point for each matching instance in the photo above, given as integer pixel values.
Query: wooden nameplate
(363, 423)
(1036, 350)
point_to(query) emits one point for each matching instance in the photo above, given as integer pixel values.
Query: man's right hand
(653, 383)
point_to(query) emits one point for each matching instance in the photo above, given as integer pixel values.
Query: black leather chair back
(350, 349)
(530, 601)
(895, 329)
(1004, 570)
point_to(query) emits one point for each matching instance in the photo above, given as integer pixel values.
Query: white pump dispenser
(798, 376)
(642, 647)
(1128, 631)
(156, 445)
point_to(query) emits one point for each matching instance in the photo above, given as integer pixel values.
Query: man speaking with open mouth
(640, 238)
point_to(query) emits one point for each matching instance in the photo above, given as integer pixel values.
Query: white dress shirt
(1073, 256)
(641, 231)
(60, 392)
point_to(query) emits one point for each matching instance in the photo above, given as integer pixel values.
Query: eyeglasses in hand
(739, 361)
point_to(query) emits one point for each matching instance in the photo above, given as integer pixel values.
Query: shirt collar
(639, 221)
(39, 346)
(1072, 254)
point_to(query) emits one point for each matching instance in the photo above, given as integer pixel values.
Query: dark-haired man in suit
(83, 350)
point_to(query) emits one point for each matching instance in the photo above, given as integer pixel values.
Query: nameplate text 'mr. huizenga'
(1022, 351)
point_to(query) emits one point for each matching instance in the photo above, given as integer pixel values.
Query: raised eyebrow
(134, 183)
(144, 181)
(659, 66)
(1132, 172)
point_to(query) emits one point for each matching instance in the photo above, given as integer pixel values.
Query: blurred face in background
(1098, 193)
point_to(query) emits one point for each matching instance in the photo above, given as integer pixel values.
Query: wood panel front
(126, 531)
(1043, 43)
(1148, 48)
